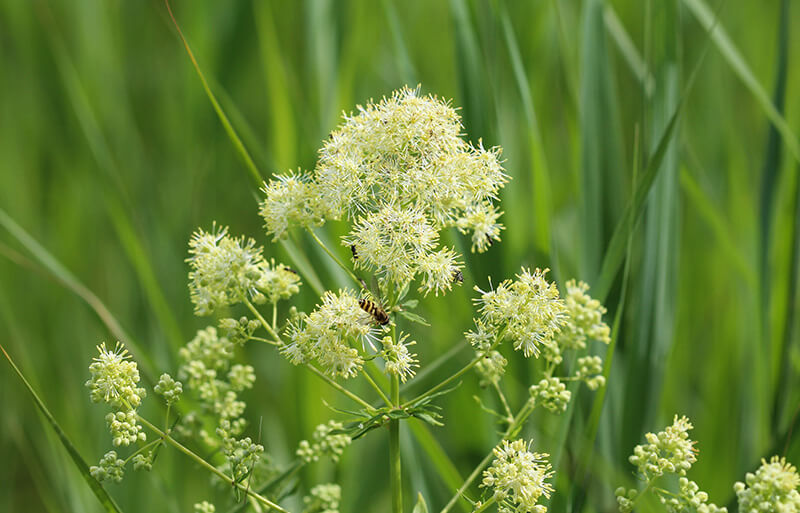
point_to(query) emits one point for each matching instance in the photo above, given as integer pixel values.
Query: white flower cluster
(324, 443)
(204, 507)
(211, 376)
(401, 172)
(327, 334)
(229, 270)
(773, 488)
(491, 368)
(169, 388)
(323, 498)
(399, 360)
(527, 311)
(668, 452)
(518, 477)
(110, 468)
(551, 393)
(114, 380)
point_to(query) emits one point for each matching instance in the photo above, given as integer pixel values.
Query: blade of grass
(441, 461)
(71, 282)
(772, 162)
(614, 253)
(404, 61)
(281, 118)
(628, 49)
(113, 201)
(540, 171)
(581, 485)
(601, 148)
(98, 490)
(237, 142)
(739, 66)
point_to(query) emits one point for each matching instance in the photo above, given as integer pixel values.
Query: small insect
(378, 314)
(458, 276)
(353, 251)
(489, 240)
(289, 269)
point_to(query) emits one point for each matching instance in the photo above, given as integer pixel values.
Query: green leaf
(421, 506)
(98, 490)
(414, 317)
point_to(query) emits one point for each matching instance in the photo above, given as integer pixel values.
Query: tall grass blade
(772, 162)
(601, 148)
(98, 490)
(223, 118)
(540, 171)
(739, 66)
(657, 278)
(71, 282)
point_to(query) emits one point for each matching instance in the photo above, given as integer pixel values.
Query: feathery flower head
(291, 200)
(277, 281)
(400, 171)
(773, 488)
(225, 270)
(669, 451)
(399, 361)
(518, 477)
(527, 311)
(325, 335)
(114, 378)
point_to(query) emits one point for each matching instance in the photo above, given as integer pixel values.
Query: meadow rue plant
(773, 487)
(396, 175)
(518, 478)
(669, 452)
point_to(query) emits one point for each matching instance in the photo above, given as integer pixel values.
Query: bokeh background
(111, 155)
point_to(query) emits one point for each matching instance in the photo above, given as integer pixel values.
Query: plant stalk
(395, 467)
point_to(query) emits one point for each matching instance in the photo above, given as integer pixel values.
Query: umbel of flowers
(669, 452)
(400, 171)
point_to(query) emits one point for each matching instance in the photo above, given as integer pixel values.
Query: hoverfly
(378, 314)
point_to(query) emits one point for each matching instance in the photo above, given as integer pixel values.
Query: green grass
(112, 154)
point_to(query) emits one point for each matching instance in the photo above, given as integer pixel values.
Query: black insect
(353, 251)
(458, 276)
(378, 314)
(289, 269)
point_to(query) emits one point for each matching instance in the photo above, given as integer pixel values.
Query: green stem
(263, 321)
(509, 415)
(208, 466)
(395, 467)
(485, 505)
(142, 449)
(339, 387)
(460, 373)
(376, 387)
(334, 257)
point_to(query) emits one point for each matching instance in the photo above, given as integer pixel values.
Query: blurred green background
(111, 155)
